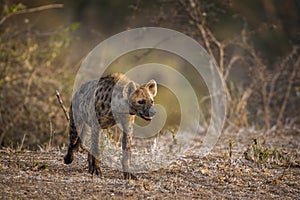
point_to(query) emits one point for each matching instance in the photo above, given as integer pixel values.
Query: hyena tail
(75, 141)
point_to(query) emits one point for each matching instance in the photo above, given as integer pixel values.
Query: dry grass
(42, 174)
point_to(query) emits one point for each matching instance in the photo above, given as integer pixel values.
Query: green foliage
(263, 155)
(13, 8)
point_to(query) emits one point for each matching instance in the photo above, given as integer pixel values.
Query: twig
(272, 87)
(288, 91)
(61, 103)
(31, 10)
(51, 134)
(231, 62)
(22, 143)
(266, 105)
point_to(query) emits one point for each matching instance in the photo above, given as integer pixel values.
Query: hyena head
(140, 99)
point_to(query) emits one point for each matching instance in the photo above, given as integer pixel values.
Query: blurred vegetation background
(254, 42)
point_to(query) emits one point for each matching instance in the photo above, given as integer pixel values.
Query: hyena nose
(152, 111)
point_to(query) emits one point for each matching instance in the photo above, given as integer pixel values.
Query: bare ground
(42, 174)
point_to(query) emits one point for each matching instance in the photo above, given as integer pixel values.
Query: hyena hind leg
(75, 141)
(93, 155)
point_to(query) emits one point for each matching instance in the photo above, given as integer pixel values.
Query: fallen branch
(61, 103)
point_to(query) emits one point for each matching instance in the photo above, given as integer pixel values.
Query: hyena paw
(95, 169)
(94, 166)
(68, 159)
(128, 175)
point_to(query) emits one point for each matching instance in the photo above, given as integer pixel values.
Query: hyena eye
(143, 101)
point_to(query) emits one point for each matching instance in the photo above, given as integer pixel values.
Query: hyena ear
(152, 87)
(129, 89)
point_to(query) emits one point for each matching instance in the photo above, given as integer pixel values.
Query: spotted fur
(101, 104)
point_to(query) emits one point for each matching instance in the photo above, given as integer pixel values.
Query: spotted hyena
(100, 104)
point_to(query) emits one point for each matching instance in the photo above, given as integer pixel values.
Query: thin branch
(220, 46)
(205, 39)
(51, 134)
(30, 10)
(61, 103)
(288, 91)
(266, 105)
(231, 62)
(272, 87)
(22, 143)
(208, 37)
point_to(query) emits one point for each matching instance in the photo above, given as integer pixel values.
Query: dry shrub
(261, 154)
(259, 92)
(32, 67)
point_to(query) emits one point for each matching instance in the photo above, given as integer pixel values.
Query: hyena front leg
(82, 136)
(74, 139)
(126, 152)
(93, 155)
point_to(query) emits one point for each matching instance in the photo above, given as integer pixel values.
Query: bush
(32, 67)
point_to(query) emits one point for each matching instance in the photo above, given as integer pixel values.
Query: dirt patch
(42, 175)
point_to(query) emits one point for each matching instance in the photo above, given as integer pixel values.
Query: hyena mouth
(146, 117)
